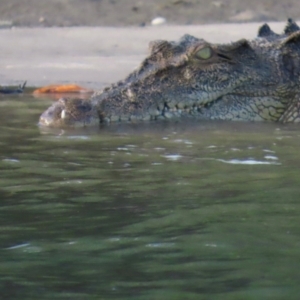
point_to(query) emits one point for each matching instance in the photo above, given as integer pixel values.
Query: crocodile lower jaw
(165, 113)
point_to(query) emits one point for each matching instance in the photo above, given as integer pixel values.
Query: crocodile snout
(70, 113)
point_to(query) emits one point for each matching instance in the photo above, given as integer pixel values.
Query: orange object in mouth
(61, 88)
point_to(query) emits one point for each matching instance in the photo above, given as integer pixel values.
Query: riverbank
(94, 56)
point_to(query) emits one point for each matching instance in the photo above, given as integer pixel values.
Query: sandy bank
(94, 56)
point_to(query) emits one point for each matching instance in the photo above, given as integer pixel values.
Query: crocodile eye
(204, 53)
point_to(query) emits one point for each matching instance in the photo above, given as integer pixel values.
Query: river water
(165, 210)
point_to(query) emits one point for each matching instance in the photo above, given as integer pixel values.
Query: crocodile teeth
(160, 107)
(180, 105)
(114, 118)
(155, 113)
(147, 118)
(168, 115)
(171, 105)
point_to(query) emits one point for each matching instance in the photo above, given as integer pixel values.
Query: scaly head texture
(244, 80)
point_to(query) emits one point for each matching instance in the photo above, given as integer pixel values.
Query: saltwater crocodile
(245, 80)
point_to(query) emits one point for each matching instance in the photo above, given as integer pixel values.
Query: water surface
(166, 210)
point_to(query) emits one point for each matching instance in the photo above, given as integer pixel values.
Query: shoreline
(96, 56)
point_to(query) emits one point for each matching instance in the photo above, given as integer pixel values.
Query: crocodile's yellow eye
(204, 53)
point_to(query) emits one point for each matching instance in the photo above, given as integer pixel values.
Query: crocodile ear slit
(291, 27)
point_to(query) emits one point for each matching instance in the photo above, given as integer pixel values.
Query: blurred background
(139, 13)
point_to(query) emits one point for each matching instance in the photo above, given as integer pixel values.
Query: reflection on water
(205, 210)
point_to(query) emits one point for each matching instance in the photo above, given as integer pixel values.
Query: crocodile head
(192, 77)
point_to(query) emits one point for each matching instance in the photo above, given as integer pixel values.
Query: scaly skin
(253, 80)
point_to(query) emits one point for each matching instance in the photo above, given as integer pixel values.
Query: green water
(204, 210)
